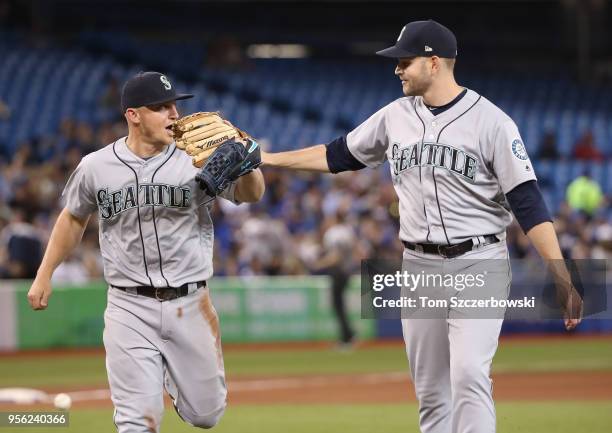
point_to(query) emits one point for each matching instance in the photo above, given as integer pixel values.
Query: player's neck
(441, 93)
(142, 148)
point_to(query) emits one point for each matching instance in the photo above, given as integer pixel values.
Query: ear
(435, 64)
(132, 115)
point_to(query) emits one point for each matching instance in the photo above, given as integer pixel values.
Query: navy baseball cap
(149, 88)
(423, 39)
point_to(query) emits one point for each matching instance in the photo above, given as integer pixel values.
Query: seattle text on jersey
(151, 194)
(434, 154)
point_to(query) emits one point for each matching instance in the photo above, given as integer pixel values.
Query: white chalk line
(275, 384)
(316, 381)
(90, 395)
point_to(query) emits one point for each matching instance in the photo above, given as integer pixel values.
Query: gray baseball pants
(173, 345)
(450, 357)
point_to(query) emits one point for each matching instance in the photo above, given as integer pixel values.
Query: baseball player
(458, 166)
(156, 239)
(339, 243)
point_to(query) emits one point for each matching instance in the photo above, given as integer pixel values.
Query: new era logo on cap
(401, 33)
(423, 39)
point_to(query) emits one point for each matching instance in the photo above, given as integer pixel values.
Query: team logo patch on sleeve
(519, 150)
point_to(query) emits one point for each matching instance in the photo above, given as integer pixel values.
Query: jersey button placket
(432, 213)
(147, 211)
(427, 184)
(432, 130)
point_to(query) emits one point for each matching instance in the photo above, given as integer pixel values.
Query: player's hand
(572, 308)
(39, 293)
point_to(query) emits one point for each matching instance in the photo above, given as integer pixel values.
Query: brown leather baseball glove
(199, 134)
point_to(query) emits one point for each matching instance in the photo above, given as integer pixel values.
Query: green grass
(513, 417)
(89, 370)
(554, 417)
(561, 417)
(554, 355)
(551, 356)
(69, 370)
(304, 362)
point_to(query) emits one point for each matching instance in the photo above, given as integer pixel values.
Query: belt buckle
(450, 251)
(441, 251)
(166, 294)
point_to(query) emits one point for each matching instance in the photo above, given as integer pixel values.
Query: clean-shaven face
(156, 122)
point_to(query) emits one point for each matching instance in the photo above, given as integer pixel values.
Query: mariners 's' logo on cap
(166, 82)
(519, 150)
(428, 48)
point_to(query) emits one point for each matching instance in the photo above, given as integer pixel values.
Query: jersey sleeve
(368, 142)
(78, 195)
(511, 163)
(339, 157)
(528, 205)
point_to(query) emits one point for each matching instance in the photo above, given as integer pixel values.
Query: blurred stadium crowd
(281, 235)
(47, 125)
(286, 234)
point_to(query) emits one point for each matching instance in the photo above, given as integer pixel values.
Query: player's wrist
(44, 274)
(267, 158)
(278, 159)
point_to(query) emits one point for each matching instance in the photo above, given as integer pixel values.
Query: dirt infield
(396, 387)
(388, 387)
(384, 388)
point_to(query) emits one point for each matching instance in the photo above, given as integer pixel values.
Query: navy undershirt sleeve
(528, 205)
(340, 158)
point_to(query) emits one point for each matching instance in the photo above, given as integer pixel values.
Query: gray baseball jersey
(155, 230)
(155, 225)
(450, 171)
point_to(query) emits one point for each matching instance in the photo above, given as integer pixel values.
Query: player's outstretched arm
(66, 235)
(250, 187)
(312, 158)
(544, 240)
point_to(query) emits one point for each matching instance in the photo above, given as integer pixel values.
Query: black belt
(162, 293)
(450, 251)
